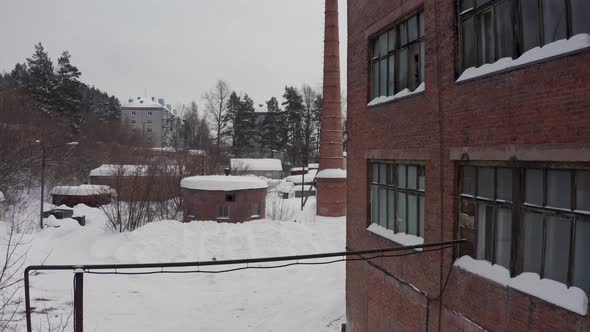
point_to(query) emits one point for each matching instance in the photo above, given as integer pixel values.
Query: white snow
(404, 93)
(400, 238)
(572, 298)
(297, 298)
(113, 170)
(313, 166)
(223, 183)
(197, 152)
(82, 190)
(331, 173)
(577, 42)
(306, 178)
(250, 164)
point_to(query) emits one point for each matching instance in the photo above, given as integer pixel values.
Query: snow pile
(577, 42)
(285, 187)
(116, 170)
(223, 183)
(404, 93)
(197, 152)
(331, 173)
(263, 164)
(82, 190)
(249, 300)
(400, 238)
(573, 298)
(313, 166)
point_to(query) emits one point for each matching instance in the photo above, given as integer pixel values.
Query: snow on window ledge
(404, 93)
(400, 238)
(573, 298)
(556, 48)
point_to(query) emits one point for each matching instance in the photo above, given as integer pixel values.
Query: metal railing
(118, 269)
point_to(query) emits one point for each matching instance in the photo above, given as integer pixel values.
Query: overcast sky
(176, 49)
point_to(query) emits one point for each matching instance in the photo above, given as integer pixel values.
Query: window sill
(560, 48)
(573, 299)
(404, 94)
(399, 238)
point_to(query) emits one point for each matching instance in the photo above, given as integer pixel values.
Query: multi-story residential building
(469, 120)
(156, 123)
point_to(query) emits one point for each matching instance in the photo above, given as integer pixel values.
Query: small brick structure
(219, 198)
(91, 195)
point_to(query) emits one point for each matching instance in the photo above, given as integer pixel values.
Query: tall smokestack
(331, 178)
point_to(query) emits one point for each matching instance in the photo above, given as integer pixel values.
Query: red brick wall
(523, 109)
(203, 204)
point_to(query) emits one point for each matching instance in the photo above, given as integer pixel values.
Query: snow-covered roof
(223, 183)
(143, 103)
(306, 178)
(331, 173)
(313, 166)
(113, 170)
(82, 190)
(264, 164)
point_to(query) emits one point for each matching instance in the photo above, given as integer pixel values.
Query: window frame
(520, 208)
(223, 209)
(517, 27)
(394, 52)
(392, 185)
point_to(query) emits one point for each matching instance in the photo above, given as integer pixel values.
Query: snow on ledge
(82, 190)
(573, 298)
(577, 42)
(401, 238)
(223, 183)
(404, 93)
(331, 173)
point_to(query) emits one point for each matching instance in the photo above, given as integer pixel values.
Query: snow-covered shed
(91, 195)
(223, 198)
(267, 167)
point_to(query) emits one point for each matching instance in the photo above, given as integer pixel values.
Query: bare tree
(216, 108)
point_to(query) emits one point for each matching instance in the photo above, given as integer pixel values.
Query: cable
(267, 267)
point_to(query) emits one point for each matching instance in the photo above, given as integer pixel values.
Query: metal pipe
(79, 300)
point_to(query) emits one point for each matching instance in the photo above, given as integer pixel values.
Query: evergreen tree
(41, 82)
(68, 94)
(244, 127)
(318, 106)
(293, 106)
(19, 75)
(273, 129)
(233, 107)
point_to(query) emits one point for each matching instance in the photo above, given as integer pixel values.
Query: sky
(176, 49)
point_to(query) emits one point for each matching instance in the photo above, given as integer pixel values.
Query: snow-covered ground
(298, 298)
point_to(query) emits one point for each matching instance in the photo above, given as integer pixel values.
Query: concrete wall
(536, 112)
(202, 205)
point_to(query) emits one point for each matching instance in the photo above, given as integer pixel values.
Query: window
(397, 60)
(149, 130)
(149, 122)
(149, 113)
(551, 209)
(223, 211)
(495, 29)
(132, 121)
(397, 197)
(133, 113)
(255, 210)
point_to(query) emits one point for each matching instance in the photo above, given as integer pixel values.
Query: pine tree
(293, 106)
(233, 107)
(244, 127)
(68, 94)
(41, 82)
(318, 107)
(273, 128)
(19, 75)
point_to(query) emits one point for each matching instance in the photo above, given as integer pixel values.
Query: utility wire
(264, 267)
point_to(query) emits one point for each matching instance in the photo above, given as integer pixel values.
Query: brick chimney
(331, 178)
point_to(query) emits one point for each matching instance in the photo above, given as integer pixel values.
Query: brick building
(221, 198)
(469, 119)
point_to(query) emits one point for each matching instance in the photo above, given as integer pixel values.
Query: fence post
(28, 301)
(79, 299)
